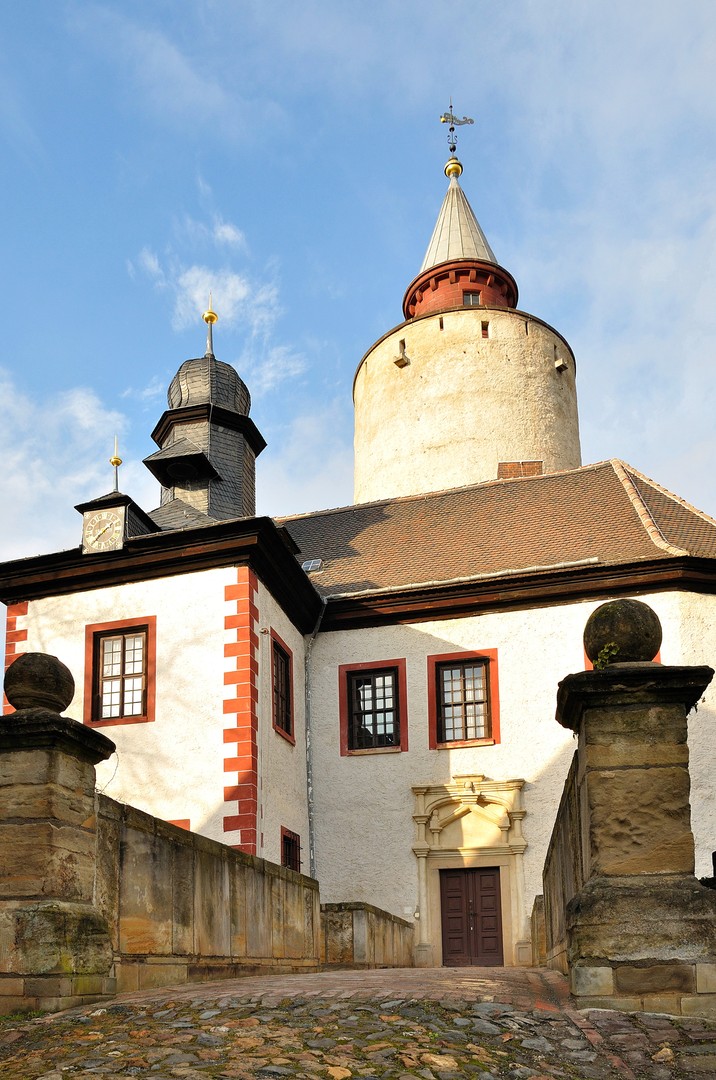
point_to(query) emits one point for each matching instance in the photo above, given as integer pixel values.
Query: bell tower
(468, 388)
(206, 463)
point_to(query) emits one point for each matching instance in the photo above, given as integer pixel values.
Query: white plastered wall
(364, 804)
(282, 767)
(172, 767)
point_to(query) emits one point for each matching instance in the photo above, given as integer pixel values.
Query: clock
(103, 530)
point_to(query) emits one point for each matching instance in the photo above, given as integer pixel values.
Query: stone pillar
(641, 931)
(55, 949)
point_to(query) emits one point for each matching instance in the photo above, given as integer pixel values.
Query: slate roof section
(457, 233)
(606, 513)
(177, 514)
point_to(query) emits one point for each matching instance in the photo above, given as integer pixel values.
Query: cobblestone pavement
(398, 1024)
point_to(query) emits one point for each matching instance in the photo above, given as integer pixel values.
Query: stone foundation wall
(360, 936)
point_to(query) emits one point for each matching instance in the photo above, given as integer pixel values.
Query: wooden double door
(471, 917)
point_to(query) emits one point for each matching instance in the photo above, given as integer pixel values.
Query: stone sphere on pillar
(39, 681)
(622, 632)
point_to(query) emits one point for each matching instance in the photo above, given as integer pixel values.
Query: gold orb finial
(453, 168)
(115, 461)
(210, 316)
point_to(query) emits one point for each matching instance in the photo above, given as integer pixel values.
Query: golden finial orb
(210, 316)
(115, 460)
(453, 168)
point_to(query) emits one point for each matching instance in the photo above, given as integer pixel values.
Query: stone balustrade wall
(358, 935)
(182, 908)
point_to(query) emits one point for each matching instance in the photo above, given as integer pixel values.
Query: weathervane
(115, 461)
(209, 317)
(450, 118)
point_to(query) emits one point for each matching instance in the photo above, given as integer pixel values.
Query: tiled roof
(606, 513)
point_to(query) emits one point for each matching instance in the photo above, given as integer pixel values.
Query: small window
(485, 326)
(282, 686)
(119, 672)
(373, 711)
(471, 299)
(310, 565)
(462, 698)
(291, 850)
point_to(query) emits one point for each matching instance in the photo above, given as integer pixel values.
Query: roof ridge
(671, 494)
(642, 510)
(424, 495)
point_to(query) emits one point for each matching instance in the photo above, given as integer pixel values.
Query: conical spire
(457, 233)
(459, 268)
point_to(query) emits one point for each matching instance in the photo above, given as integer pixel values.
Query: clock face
(103, 530)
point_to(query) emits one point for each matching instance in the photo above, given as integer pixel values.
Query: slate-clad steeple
(208, 444)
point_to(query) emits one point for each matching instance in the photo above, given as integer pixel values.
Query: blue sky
(289, 157)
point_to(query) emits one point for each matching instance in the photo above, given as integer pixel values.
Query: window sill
(464, 742)
(285, 735)
(375, 750)
(120, 720)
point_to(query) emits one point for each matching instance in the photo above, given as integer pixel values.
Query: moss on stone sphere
(39, 681)
(622, 632)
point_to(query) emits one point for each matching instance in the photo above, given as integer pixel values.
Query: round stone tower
(468, 388)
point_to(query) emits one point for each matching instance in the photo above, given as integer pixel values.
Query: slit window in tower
(485, 329)
(471, 299)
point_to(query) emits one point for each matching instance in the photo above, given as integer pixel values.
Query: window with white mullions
(122, 671)
(463, 704)
(373, 709)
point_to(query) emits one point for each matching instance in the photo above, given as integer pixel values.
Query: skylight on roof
(311, 564)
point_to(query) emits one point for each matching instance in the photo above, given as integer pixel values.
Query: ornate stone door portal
(471, 824)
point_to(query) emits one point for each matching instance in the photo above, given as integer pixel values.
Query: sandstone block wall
(358, 935)
(182, 908)
(625, 915)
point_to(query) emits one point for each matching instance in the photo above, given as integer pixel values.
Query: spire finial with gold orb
(453, 167)
(209, 317)
(115, 461)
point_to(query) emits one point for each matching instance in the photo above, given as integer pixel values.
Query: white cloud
(55, 453)
(239, 301)
(177, 88)
(153, 391)
(228, 235)
(308, 465)
(149, 262)
(279, 364)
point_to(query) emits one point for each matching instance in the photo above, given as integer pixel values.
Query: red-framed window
(463, 699)
(120, 672)
(290, 850)
(373, 707)
(282, 687)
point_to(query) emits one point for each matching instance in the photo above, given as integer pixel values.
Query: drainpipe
(309, 750)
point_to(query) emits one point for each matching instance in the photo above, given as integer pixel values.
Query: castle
(367, 693)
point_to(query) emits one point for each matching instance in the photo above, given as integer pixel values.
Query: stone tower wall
(481, 386)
